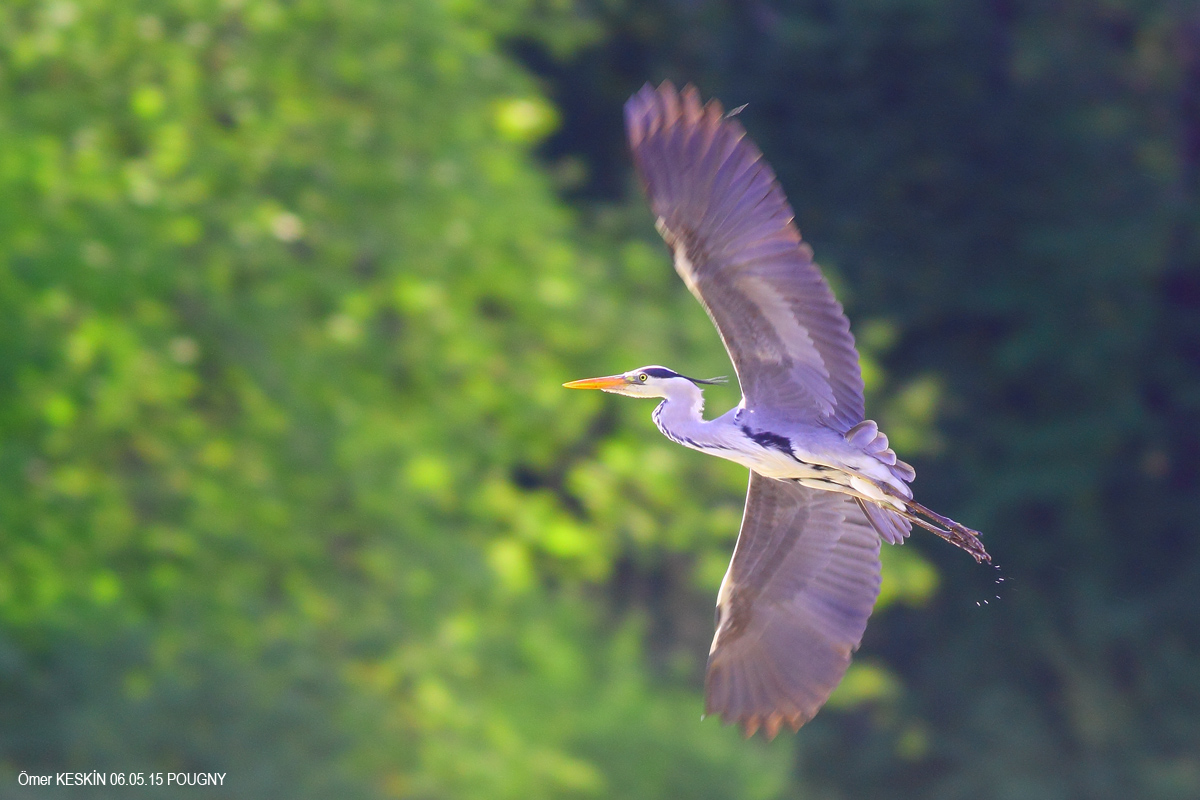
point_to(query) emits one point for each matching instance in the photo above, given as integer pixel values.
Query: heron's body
(812, 455)
(825, 487)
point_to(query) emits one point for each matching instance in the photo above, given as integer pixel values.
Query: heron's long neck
(680, 417)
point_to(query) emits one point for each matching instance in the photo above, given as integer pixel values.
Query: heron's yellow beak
(608, 382)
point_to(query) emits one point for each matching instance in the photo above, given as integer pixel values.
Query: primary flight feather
(825, 487)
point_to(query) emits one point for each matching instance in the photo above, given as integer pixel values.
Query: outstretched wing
(793, 605)
(730, 230)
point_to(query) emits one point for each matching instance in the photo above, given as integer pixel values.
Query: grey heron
(825, 487)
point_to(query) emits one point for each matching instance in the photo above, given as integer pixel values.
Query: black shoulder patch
(768, 439)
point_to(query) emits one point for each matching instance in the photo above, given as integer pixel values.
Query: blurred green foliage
(289, 488)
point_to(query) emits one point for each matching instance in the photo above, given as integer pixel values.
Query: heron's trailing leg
(953, 532)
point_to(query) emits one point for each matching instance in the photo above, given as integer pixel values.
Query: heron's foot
(968, 539)
(953, 532)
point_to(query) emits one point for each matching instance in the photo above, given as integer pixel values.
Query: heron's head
(650, 381)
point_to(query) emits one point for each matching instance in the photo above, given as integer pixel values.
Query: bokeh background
(289, 489)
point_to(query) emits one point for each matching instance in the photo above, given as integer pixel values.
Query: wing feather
(793, 606)
(729, 227)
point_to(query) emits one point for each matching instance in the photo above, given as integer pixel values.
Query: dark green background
(289, 489)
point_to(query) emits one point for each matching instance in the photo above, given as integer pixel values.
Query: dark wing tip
(701, 172)
(755, 703)
(651, 109)
(771, 723)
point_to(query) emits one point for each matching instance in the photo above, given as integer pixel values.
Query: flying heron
(825, 487)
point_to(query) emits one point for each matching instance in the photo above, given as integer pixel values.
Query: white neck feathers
(680, 416)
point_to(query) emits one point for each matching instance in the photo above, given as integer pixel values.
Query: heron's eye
(642, 377)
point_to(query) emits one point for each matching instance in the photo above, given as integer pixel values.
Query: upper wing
(793, 605)
(730, 230)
